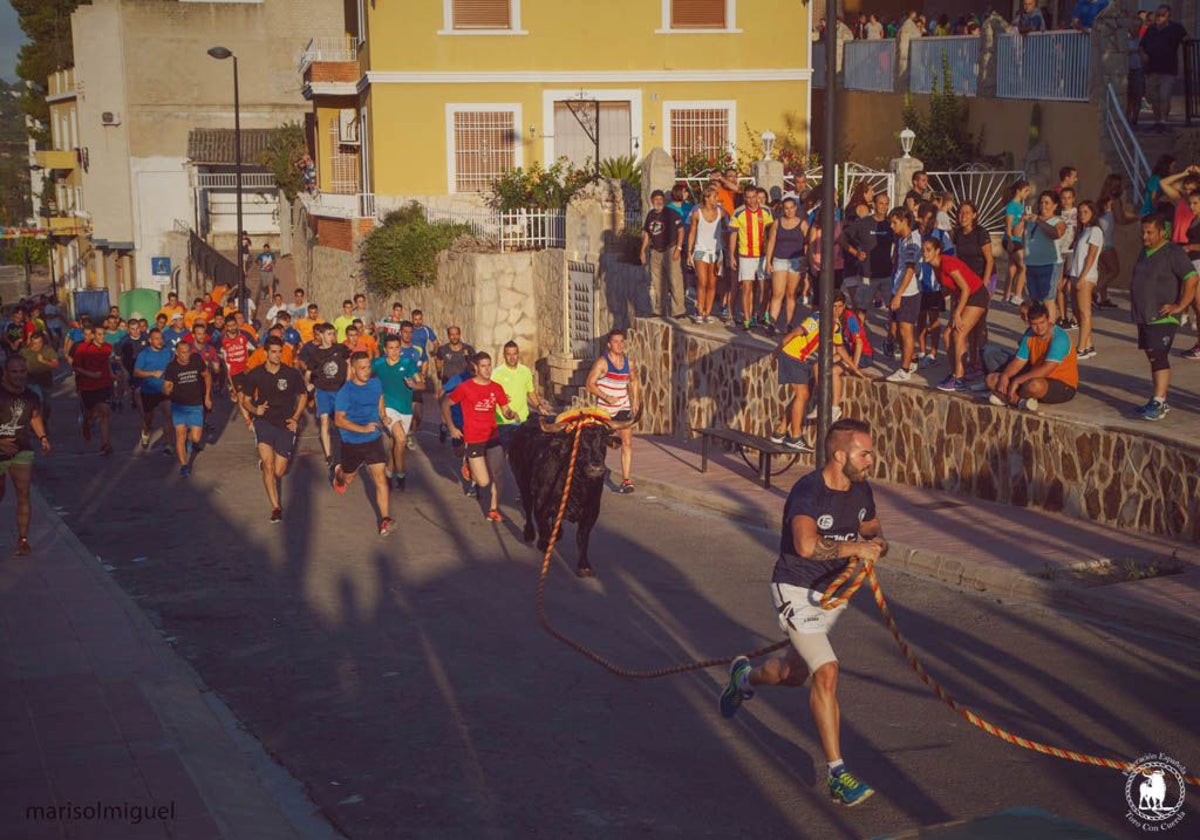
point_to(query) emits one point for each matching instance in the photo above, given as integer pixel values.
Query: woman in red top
(970, 308)
(480, 398)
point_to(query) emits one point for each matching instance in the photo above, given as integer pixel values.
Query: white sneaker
(1029, 404)
(996, 399)
(899, 375)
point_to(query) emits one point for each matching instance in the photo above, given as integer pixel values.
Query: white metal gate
(849, 176)
(581, 308)
(987, 189)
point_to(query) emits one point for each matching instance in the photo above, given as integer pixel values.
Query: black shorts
(933, 302)
(151, 401)
(281, 439)
(1057, 392)
(792, 371)
(1156, 336)
(1013, 246)
(981, 298)
(909, 311)
(480, 450)
(239, 380)
(91, 399)
(355, 455)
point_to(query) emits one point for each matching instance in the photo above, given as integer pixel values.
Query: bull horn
(621, 425)
(551, 428)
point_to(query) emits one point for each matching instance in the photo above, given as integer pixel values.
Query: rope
(856, 573)
(576, 428)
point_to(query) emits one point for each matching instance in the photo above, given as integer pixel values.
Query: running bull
(539, 455)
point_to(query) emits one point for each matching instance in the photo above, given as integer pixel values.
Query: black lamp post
(828, 222)
(222, 53)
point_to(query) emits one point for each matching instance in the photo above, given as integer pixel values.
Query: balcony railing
(228, 181)
(870, 65)
(1044, 65)
(928, 57)
(328, 49)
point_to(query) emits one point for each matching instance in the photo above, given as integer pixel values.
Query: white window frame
(453, 108)
(514, 20)
(730, 106)
(631, 95)
(731, 27)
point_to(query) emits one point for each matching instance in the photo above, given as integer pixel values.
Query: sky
(11, 38)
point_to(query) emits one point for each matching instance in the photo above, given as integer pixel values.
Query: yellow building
(62, 168)
(434, 98)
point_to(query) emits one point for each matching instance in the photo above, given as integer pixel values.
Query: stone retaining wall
(928, 439)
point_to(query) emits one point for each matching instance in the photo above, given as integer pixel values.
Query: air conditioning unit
(348, 127)
(110, 118)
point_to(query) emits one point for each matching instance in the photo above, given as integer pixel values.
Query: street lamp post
(828, 223)
(221, 53)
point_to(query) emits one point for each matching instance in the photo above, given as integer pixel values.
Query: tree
(943, 140)
(284, 156)
(47, 25)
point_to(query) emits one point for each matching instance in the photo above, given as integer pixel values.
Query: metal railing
(987, 189)
(228, 181)
(1125, 144)
(870, 65)
(1191, 80)
(818, 64)
(1044, 65)
(328, 49)
(928, 56)
(512, 230)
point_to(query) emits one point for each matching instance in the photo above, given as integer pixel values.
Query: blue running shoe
(1141, 410)
(185, 471)
(846, 790)
(1156, 410)
(734, 694)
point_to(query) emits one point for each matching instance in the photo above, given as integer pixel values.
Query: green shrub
(402, 251)
(538, 188)
(943, 142)
(284, 155)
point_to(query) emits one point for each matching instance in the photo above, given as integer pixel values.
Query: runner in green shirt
(400, 376)
(517, 381)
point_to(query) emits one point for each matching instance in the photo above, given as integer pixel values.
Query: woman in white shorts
(1084, 271)
(707, 230)
(784, 255)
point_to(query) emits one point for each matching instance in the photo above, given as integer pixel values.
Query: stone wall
(927, 439)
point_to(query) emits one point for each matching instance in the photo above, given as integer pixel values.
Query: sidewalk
(1023, 553)
(99, 711)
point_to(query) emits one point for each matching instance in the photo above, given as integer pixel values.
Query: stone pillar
(904, 169)
(768, 174)
(658, 173)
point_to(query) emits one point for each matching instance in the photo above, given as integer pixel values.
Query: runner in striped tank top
(614, 383)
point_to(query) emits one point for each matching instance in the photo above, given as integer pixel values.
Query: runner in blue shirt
(148, 372)
(359, 414)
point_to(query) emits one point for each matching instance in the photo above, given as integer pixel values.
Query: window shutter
(697, 14)
(481, 14)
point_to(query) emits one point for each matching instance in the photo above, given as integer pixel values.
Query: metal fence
(987, 189)
(1191, 80)
(1044, 65)
(228, 180)
(928, 57)
(1120, 136)
(511, 230)
(870, 65)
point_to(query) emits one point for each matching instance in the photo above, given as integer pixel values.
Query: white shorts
(806, 623)
(790, 265)
(393, 417)
(706, 256)
(751, 268)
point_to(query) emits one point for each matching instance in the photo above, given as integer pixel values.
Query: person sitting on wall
(1044, 370)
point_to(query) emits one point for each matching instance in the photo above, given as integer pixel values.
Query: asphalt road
(407, 683)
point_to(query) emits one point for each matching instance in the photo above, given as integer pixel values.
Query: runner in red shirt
(479, 398)
(235, 350)
(967, 311)
(94, 382)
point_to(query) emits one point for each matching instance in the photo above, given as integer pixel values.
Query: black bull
(539, 460)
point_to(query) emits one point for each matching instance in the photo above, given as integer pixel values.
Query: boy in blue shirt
(359, 414)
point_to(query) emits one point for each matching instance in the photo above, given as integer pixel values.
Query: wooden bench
(763, 446)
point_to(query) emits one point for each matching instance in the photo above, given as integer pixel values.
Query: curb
(1004, 583)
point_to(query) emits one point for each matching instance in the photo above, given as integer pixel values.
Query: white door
(571, 136)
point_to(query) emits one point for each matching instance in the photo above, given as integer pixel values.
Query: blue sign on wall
(160, 266)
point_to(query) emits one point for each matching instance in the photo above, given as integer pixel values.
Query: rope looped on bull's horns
(856, 573)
